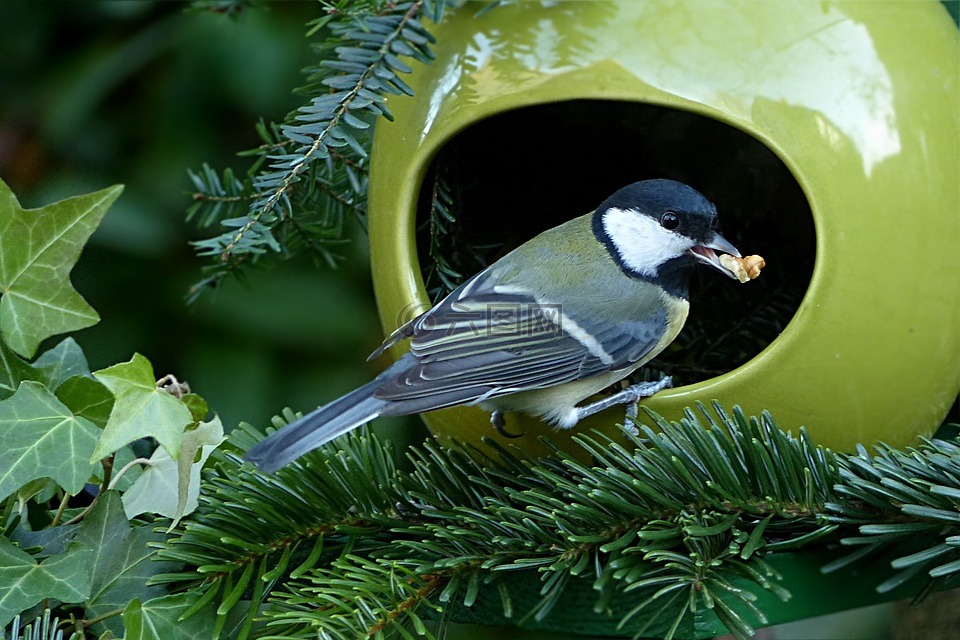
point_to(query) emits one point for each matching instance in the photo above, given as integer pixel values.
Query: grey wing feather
(480, 343)
(403, 331)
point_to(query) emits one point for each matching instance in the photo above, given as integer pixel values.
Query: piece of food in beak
(743, 269)
(707, 254)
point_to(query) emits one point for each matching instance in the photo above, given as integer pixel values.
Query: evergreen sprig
(453, 256)
(905, 504)
(358, 597)
(677, 514)
(442, 275)
(312, 169)
(44, 627)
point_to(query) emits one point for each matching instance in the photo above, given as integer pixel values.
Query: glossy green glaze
(573, 617)
(859, 100)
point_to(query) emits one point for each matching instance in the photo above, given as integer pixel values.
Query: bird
(553, 322)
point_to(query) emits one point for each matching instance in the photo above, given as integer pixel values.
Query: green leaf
(39, 248)
(14, 370)
(88, 398)
(197, 405)
(171, 487)
(121, 559)
(33, 489)
(140, 409)
(51, 368)
(62, 362)
(159, 619)
(26, 582)
(41, 439)
(51, 541)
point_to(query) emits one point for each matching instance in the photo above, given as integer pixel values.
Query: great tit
(558, 319)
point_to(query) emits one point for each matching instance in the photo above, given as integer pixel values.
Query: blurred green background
(137, 92)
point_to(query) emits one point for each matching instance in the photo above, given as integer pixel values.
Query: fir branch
(460, 518)
(904, 504)
(217, 198)
(311, 170)
(693, 577)
(681, 517)
(452, 254)
(345, 495)
(44, 627)
(358, 598)
(441, 277)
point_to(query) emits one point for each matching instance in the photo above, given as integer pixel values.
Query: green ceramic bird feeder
(825, 132)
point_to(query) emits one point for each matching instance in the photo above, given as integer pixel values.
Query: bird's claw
(499, 424)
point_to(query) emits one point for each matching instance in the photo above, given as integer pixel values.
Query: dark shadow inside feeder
(507, 178)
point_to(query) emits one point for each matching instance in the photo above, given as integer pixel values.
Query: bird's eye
(669, 221)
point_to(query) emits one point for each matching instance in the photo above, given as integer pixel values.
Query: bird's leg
(499, 423)
(629, 396)
(630, 417)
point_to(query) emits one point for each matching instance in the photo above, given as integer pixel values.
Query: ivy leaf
(41, 439)
(32, 489)
(62, 362)
(159, 619)
(140, 409)
(87, 398)
(121, 559)
(48, 542)
(171, 487)
(51, 368)
(39, 248)
(14, 370)
(197, 405)
(26, 582)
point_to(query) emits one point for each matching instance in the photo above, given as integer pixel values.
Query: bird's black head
(656, 228)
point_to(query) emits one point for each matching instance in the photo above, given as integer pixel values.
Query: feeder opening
(507, 178)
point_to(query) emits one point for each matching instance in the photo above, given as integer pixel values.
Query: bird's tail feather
(316, 428)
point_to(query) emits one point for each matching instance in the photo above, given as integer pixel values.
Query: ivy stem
(127, 467)
(83, 514)
(60, 509)
(80, 625)
(107, 472)
(7, 510)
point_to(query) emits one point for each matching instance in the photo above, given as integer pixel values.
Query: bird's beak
(706, 253)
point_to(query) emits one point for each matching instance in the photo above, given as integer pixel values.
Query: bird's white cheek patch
(643, 245)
